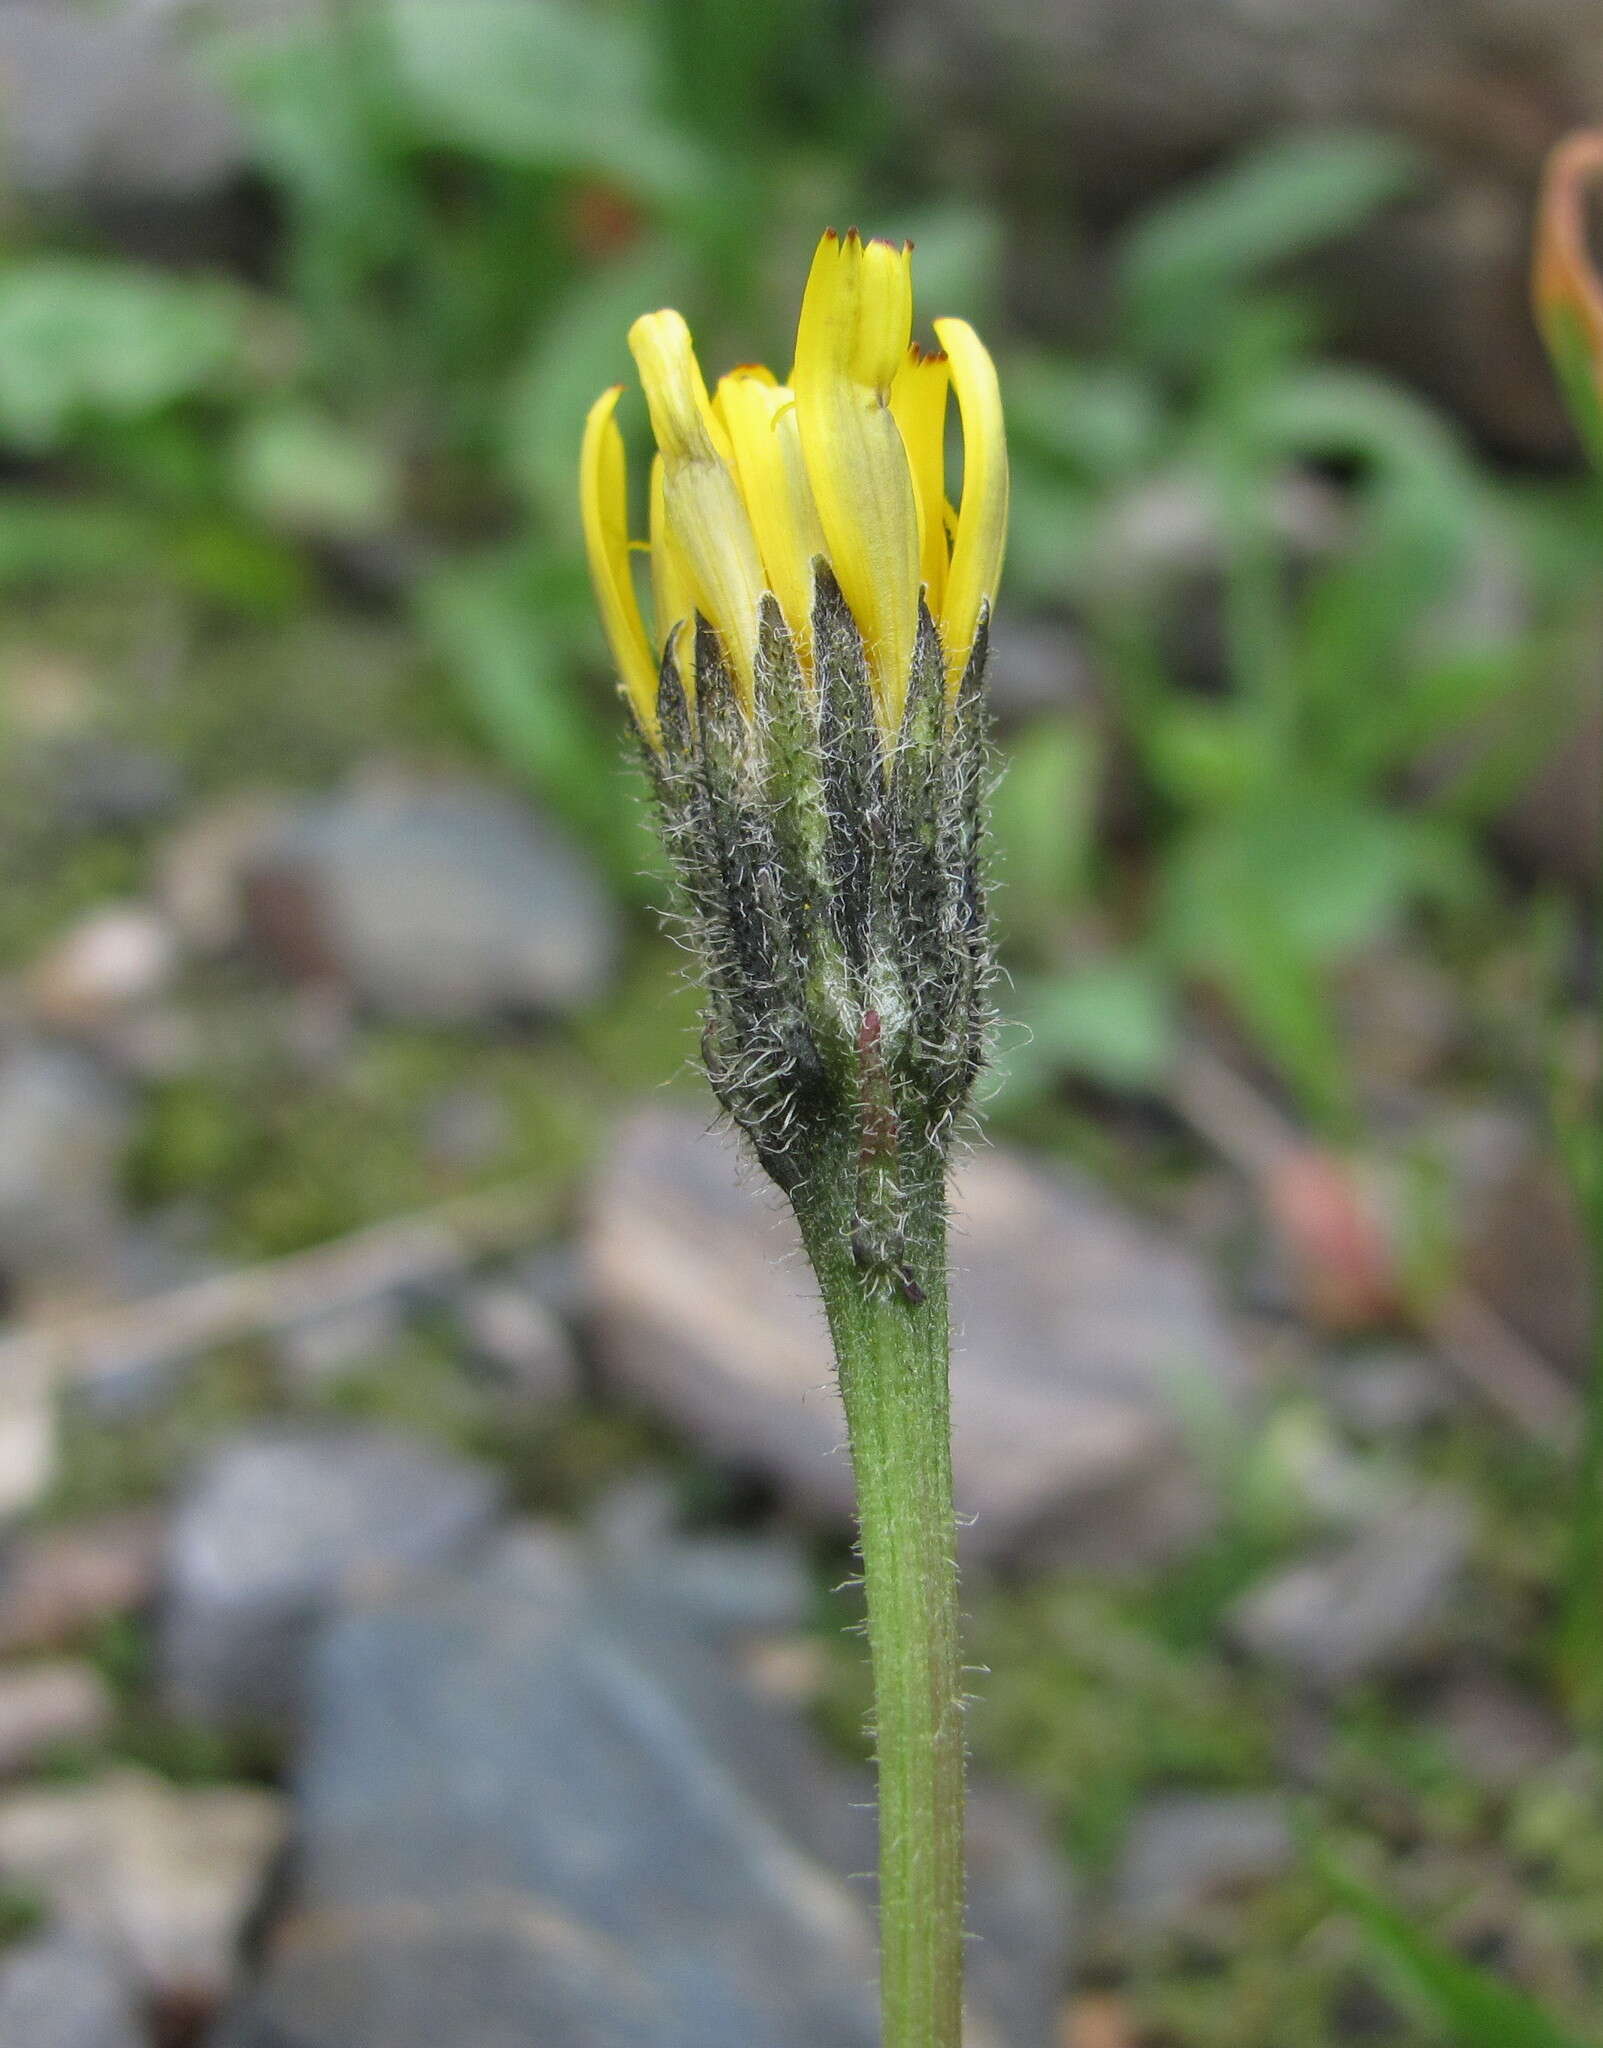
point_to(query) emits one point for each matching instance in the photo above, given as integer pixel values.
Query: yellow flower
(846, 464)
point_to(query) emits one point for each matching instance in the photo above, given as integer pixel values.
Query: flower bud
(1567, 289)
(811, 707)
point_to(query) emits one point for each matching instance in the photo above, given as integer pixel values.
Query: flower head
(809, 691)
(1567, 289)
(759, 483)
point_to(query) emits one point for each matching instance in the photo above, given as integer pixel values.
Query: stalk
(1568, 294)
(1582, 1623)
(892, 1355)
(820, 787)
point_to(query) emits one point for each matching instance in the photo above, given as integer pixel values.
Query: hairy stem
(892, 1355)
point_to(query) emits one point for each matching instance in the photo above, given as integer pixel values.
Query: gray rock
(1525, 1251)
(1390, 1394)
(467, 1129)
(1374, 1607)
(1175, 526)
(64, 1127)
(108, 102)
(435, 900)
(327, 1348)
(1500, 1734)
(277, 1530)
(1021, 1916)
(108, 786)
(1040, 665)
(537, 1803)
(516, 1338)
(1401, 1018)
(1087, 1345)
(119, 957)
(62, 1991)
(1556, 821)
(29, 1432)
(166, 1878)
(202, 867)
(1186, 1852)
(725, 1585)
(554, 1273)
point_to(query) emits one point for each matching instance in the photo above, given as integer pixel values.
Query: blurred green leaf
(1043, 816)
(296, 467)
(541, 82)
(957, 263)
(1051, 525)
(726, 57)
(81, 339)
(1337, 411)
(1378, 677)
(1112, 1021)
(1530, 695)
(1279, 994)
(1286, 198)
(1265, 897)
(499, 636)
(1460, 2003)
(758, 78)
(1324, 871)
(320, 98)
(1205, 756)
(1416, 479)
(1105, 421)
(55, 544)
(230, 562)
(1575, 363)
(581, 347)
(102, 540)
(1418, 714)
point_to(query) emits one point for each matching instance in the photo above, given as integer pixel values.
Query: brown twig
(1468, 1334)
(405, 1251)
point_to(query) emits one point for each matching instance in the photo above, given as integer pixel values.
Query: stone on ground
(1090, 1349)
(166, 1878)
(59, 1990)
(537, 1796)
(438, 900)
(1375, 1606)
(277, 1529)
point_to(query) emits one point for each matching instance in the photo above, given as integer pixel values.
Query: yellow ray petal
(673, 601)
(856, 323)
(918, 405)
(604, 513)
(759, 371)
(702, 505)
(981, 533)
(760, 417)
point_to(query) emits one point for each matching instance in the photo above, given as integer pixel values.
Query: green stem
(1582, 1640)
(1581, 1614)
(1582, 1627)
(892, 1357)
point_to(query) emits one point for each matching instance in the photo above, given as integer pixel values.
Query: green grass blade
(1464, 2003)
